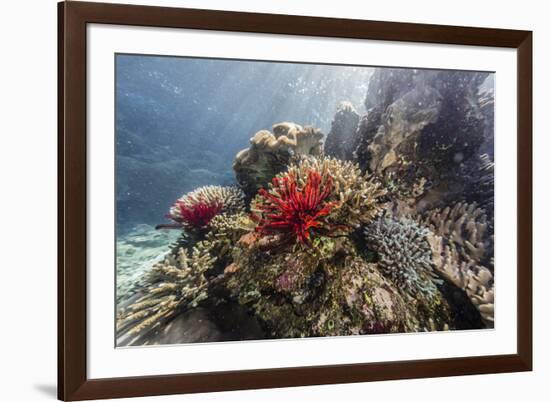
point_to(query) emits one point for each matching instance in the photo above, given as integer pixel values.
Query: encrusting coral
(404, 255)
(170, 287)
(317, 197)
(462, 248)
(270, 153)
(196, 209)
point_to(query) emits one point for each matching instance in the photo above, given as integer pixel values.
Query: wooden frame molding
(73, 17)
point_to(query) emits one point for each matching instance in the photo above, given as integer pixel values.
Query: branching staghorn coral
(224, 232)
(462, 247)
(317, 197)
(404, 255)
(357, 194)
(270, 153)
(196, 209)
(169, 288)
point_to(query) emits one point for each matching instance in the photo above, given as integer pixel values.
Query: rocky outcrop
(136, 252)
(271, 152)
(333, 293)
(341, 140)
(425, 126)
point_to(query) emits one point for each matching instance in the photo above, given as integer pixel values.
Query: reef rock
(487, 106)
(188, 327)
(423, 126)
(341, 140)
(270, 153)
(476, 184)
(329, 290)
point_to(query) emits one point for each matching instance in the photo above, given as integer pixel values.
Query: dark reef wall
(342, 139)
(428, 134)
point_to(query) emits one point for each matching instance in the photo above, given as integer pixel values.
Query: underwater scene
(268, 200)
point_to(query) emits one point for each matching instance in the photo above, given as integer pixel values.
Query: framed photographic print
(253, 200)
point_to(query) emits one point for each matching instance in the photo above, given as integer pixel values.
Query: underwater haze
(180, 121)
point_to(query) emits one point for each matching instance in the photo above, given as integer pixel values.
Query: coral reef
(462, 248)
(296, 212)
(478, 183)
(318, 196)
(170, 287)
(341, 140)
(388, 229)
(270, 153)
(221, 239)
(329, 291)
(424, 125)
(196, 209)
(404, 255)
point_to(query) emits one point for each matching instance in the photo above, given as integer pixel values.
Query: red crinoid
(197, 215)
(299, 212)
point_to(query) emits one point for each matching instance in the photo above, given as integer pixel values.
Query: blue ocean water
(180, 121)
